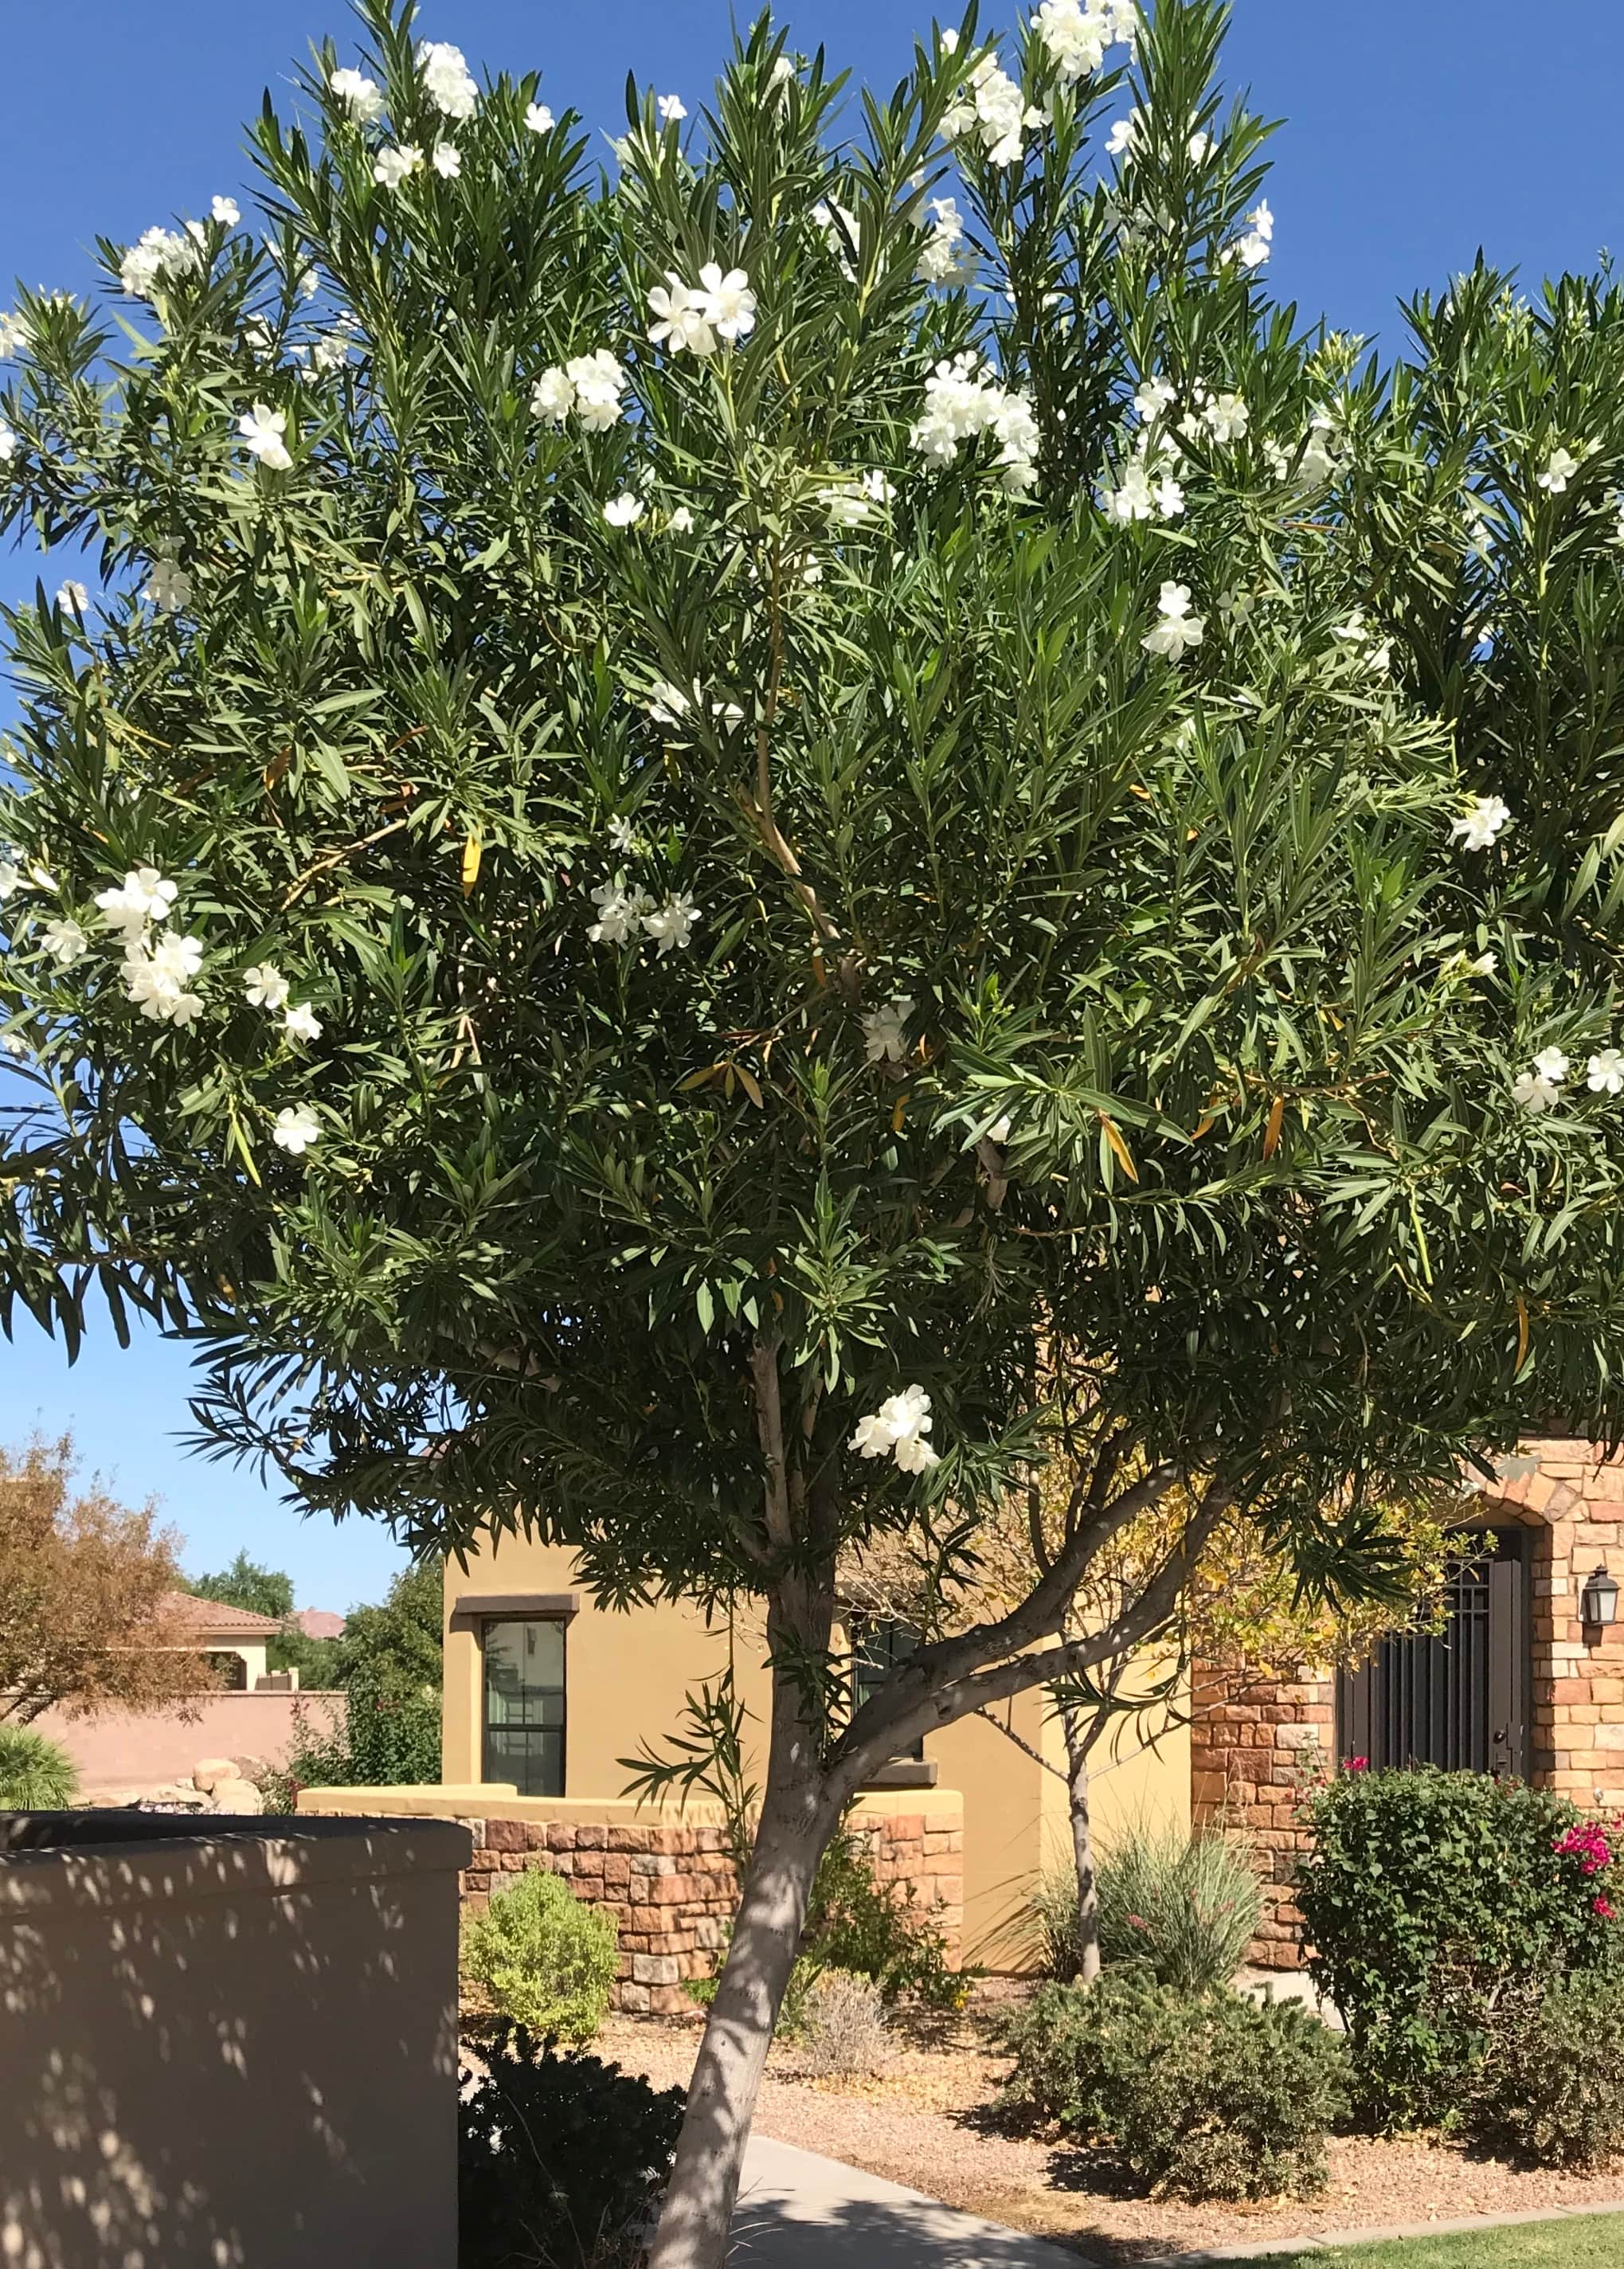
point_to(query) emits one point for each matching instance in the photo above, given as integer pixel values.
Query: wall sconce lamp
(1598, 1604)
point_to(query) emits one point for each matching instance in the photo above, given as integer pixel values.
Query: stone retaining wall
(1255, 1749)
(665, 1875)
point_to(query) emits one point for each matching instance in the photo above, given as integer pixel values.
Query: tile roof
(212, 1618)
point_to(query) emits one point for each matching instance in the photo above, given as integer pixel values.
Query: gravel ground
(924, 2123)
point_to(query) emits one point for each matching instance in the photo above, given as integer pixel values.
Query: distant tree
(387, 1664)
(85, 1585)
(270, 1591)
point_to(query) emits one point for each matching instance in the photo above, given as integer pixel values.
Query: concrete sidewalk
(799, 2211)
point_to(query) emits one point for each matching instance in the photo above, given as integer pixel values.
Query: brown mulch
(926, 2123)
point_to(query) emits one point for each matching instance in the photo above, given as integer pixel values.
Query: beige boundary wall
(126, 1750)
(1258, 1747)
(663, 1873)
(230, 2047)
(627, 1675)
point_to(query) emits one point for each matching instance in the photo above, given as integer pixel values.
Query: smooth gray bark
(1078, 1746)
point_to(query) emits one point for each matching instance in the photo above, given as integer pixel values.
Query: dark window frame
(867, 1635)
(561, 1623)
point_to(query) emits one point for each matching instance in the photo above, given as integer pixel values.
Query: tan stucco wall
(627, 1677)
(230, 2050)
(131, 1749)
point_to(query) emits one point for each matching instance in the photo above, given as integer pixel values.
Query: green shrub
(1196, 2096)
(35, 1774)
(1186, 1908)
(544, 1958)
(560, 2159)
(876, 1930)
(1554, 2073)
(1429, 1898)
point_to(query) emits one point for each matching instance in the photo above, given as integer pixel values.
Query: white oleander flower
(1560, 467)
(296, 1129)
(1534, 1094)
(396, 164)
(66, 943)
(160, 255)
(1553, 1065)
(264, 987)
(619, 913)
(885, 1034)
(1200, 148)
(538, 119)
(155, 973)
(9, 443)
(361, 97)
(300, 1023)
(897, 1429)
(668, 704)
(962, 402)
(144, 896)
(1226, 418)
(1152, 398)
(783, 71)
(14, 335)
(263, 429)
(1258, 241)
(672, 109)
(1477, 828)
(1604, 1075)
(1169, 498)
(672, 924)
(623, 835)
(681, 323)
(993, 107)
(1178, 630)
(1123, 135)
(331, 352)
(168, 585)
(224, 209)
(552, 397)
(447, 161)
(10, 879)
(680, 522)
(599, 379)
(944, 258)
(838, 224)
(730, 302)
(624, 510)
(1073, 38)
(446, 80)
(72, 598)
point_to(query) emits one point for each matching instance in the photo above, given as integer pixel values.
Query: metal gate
(1459, 1699)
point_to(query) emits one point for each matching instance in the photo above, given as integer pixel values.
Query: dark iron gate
(1459, 1699)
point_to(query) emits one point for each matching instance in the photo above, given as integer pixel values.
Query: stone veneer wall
(1255, 1748)
(664, 1874)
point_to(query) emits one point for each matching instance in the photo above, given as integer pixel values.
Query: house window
(878, 1645)
(524, 1704)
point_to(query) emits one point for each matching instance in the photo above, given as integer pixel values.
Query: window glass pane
(525, 1705)
(877, 1647)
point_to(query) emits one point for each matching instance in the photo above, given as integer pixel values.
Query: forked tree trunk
(1078, 1746)
(798, 1816)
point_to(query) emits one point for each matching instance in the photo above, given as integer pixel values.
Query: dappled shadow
(900, 2233)
(227, 2042)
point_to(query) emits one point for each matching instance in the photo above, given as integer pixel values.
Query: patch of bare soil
(927, 2124)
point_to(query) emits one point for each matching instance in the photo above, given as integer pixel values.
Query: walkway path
(799, 2210)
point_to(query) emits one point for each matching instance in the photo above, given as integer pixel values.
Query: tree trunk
(798, 1814)
(1078, 1746)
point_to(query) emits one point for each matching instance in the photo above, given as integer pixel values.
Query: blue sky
(1415, 130)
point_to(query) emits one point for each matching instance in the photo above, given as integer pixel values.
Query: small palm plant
(36, 1775)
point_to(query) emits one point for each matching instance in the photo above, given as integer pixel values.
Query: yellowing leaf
(1119, 1149)
(473, 851)
(1271, 1133)
(751, 1086)
(1522, 1331)
(899, 1110)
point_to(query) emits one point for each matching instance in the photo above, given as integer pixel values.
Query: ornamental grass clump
(36, 1773)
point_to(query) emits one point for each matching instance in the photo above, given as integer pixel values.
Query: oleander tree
(731, 853)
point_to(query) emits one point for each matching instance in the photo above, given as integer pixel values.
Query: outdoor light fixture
(1599, 1602)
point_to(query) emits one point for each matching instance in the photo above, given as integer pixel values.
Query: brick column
(1256, 1746)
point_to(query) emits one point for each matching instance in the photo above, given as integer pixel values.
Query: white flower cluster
(361, 97)
(1145, 490)
(157, 969)
(588, 387)
(945, 257)
(855, 507)
(10, 444)
(159, 256)
(993, 108)
(690, 318)
(963, 401)
(1375, 653)
(13, 335)
(263, 430)
(1477, 826)
(1255, 246)
(897, 1430)
(838, 225)
(1536, 1090)
(624, 910)
(669, 704)
(538, 119)
(1075, 37)
(1176, 629)
(1560, 468)
(885, 1030)
(446, 80)
(168, 586)
(396, 164)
